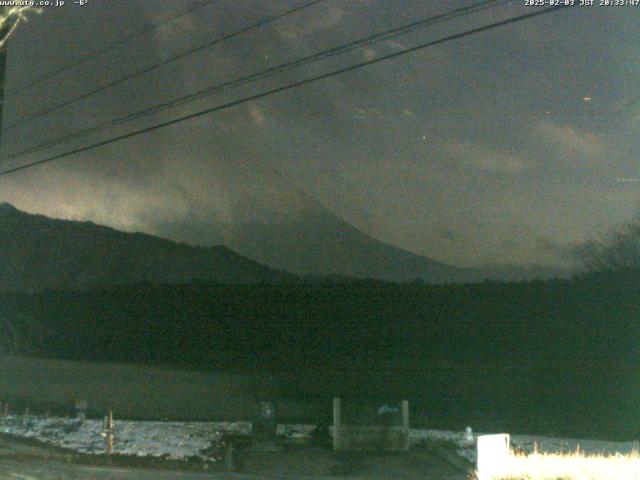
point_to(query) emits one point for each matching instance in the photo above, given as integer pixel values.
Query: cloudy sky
(508, 146)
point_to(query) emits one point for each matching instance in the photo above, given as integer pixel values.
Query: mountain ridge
(38, 252)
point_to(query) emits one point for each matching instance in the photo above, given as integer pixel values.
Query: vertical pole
(337, 440)
(3, 63)
(405, 414)
(228, 454)
(109, 429)
(405, 425)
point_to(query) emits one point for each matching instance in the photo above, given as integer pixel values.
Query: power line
(148, 28)
(284, 88)
(191, 51)
(340, 49)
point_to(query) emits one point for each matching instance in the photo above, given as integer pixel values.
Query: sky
(506, 147)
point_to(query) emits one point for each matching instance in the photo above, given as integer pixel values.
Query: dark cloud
(441, 151)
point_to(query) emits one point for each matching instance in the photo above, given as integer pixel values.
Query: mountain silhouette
(37, 252)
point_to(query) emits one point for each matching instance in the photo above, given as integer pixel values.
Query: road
(378, 467)
(22, 459)
(54, 470)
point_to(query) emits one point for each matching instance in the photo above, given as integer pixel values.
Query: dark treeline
(579, 321)
(554, 357)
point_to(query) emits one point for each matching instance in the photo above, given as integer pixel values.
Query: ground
(28, 460)
(171, 402)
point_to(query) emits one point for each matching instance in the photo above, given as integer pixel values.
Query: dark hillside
(37, 252)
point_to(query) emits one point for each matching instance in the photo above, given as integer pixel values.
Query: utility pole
(10, 17)
(4, 32)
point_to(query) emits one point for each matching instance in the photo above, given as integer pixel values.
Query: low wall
(347, 436)
(371, 437)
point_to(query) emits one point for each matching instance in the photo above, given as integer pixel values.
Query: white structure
(469, 439)
(493, 455)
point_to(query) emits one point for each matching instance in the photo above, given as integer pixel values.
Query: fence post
(107, 431)
(81, 405)
(337, 422)
(405, 414)
(406, 425)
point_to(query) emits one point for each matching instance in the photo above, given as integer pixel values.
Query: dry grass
(571, 466)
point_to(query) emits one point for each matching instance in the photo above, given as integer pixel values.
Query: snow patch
(173, 440)
(183, 440)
